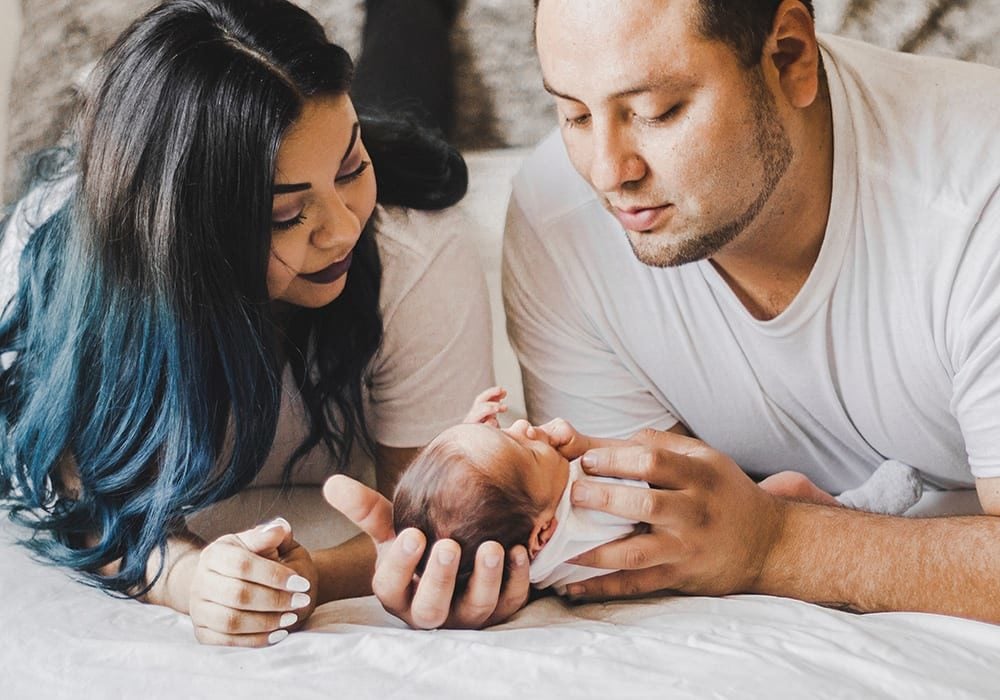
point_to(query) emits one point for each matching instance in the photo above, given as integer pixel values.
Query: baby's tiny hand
(486, 407)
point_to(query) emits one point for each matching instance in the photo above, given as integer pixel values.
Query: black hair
(146, 354)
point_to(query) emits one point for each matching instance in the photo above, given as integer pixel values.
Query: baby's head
(475, 483)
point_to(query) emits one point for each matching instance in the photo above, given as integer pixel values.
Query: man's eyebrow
(663, 83)
(301, 186)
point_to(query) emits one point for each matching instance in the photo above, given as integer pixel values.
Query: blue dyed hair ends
(146, 382)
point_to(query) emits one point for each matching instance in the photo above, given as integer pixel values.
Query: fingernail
(297, 583)
(520, 559)
(492, 561)
(588, 461)
(276, 636)
(288, 619)
(410, 543)
(276, 523)
(300, 600)
(575, 589)
(579, 494)
(446, 556)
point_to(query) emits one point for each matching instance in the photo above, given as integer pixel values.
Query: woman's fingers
(228, 621)
(241, 595)
(209, 636)
(227, 558)
(365, 507)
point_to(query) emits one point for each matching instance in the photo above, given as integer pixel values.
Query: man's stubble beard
(776, 152)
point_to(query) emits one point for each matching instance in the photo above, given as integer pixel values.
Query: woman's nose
(339, 222)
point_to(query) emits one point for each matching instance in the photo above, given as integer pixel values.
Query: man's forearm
(874, 563)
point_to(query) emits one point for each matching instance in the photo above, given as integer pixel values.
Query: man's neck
(768, 264)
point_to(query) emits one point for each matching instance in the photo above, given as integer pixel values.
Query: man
(783, 246)
(789, 249)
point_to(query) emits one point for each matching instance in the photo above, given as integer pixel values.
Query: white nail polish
(277, 523)
(297, 584)
(276, 636)
(288, 619)
(300, 600)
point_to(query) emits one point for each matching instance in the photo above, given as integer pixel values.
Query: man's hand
(426, 602)
(711, 528)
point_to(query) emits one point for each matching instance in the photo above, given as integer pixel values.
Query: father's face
(683, 143)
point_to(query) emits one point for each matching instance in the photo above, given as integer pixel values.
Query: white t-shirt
(578, 530)
(436, 351)
(891, 350)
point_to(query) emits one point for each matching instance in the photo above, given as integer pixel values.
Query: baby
(478, 482)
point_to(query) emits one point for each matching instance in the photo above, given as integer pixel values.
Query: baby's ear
(541, 536)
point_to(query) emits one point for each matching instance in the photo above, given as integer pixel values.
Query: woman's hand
(250, 589)
(426, 602)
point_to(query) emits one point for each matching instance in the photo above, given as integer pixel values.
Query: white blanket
(60, 639)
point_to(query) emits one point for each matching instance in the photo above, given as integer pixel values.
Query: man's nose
(615, 161)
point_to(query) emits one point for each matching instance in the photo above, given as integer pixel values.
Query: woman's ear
(793, 51)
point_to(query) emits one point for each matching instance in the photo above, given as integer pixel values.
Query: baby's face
(545, 471)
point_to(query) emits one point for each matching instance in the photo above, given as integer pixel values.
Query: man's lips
(330, 274)
(640, 219)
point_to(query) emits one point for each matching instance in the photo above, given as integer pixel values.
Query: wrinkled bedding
(61, 639)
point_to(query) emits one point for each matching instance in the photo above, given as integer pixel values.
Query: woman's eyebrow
(301, 186)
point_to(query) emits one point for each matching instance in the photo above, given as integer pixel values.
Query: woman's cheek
(279, 277)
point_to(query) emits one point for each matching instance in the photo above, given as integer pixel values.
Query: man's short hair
(743, 25)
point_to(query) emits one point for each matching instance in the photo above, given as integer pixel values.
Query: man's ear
(792, 50)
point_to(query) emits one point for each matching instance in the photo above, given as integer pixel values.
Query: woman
(218, 300)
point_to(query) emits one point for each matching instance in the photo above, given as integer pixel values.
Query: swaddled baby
(477, 482)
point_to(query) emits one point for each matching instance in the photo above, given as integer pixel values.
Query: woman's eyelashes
(354, 174)
(286, 224)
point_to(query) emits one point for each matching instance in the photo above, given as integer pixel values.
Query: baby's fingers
(493, 394)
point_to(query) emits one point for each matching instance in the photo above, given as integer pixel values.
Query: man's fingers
(480, 598)
(635, 552)
(365, 507)
(660, 467)
(622, 584)
(651, 506)
(514, 594)
(392, 583)
(432, 600)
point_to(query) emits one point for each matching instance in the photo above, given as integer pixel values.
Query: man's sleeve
(974, 344)
(569, 370)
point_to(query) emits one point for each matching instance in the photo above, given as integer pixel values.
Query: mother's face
(324, 194)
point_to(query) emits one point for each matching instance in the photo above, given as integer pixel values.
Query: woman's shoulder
(33, 210)
(414, 245)
(414, 235)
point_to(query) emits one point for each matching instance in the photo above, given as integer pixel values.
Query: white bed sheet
(60, 639)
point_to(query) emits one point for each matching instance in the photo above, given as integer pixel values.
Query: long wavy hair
(144, 347)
